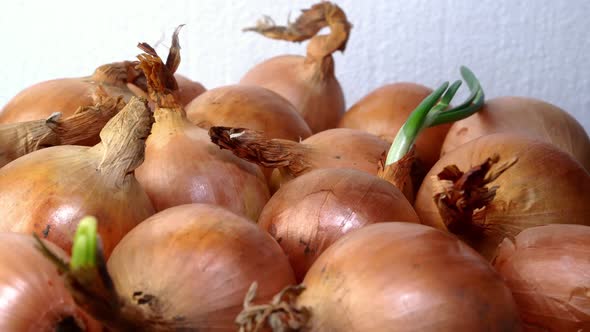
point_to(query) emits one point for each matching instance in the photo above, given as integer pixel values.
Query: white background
(538, 48)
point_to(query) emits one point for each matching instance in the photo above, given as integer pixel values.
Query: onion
(544, 186)
(182, 165)
(249, 107)
(307, 82)
(548, 270)
(314, 210)
(383, 112)
(21, 138)
(33, 296)
(392, 277)
(531, 117)
(332, 148)
(49, 190)
(185, 268)
(68, 94)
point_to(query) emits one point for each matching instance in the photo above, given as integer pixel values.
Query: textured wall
(530, 47)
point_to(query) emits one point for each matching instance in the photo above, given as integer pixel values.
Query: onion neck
(281, 314)
(119, 74)
(122, 146)
(288, 156)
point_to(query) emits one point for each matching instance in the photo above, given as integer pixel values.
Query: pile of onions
(186, 268)
(308, 214)
(249, 107)
(307, 82)
(466, 195)
(332, 148)
(181, 164)
(18, 139)
(526, 116)
(67, 94)
(392, 277)
(548, 270)
(49, 190)
(383, 112)
(33, 296)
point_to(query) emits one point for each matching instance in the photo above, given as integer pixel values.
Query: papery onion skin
(545, 186)
(526, 116)
(188, 89)
(548, 270)
(314, 210)
(311, 87)
(383, 112)
(398, 276)
(33, 297)
(249, 107)
(194, 263)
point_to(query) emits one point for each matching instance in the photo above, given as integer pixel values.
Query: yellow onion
(184, 269)
(182, 165)
(548, 270)
(391, 277)
(307, 82)
(539, 184)
(526, 116)
(332, 148)
(314, 210)
(383, 112)
(32, 292)
(49, 190)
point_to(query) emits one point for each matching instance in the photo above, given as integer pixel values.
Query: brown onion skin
(525, 116)
(383, 112)
(197, 261)
(48, 191)
(182, 166)
(249, 107)
(405, 277)
(548, 270)
(187, 89)
(34, 297)
(545, 186)
(310, 86)
(314, 210)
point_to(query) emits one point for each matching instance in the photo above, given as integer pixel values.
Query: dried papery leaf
(160, 81)
(459, 195)
(117, 73)
(281, 314)
(173, 59)
(257, 148)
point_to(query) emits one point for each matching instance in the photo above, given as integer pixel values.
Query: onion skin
(188, 89)
(383, 112)
(33, 296)
(197, 261)
(311, 88)
(526, 116)
(249, 107)
(388, 277)
(545, 186)
(48, 191)
(548, 270)
(314, 210)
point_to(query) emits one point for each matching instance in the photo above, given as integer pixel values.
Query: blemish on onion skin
(45, 232)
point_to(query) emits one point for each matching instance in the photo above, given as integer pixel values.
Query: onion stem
(431, 112)
(84, 247)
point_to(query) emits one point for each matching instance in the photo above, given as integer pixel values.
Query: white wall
(534, 48)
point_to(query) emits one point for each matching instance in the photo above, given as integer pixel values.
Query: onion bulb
(383, 112)
(534, 184)
(548, 270)
(182, 166)
(307, 82)
(33, 296)
(332, 148)
(68, 94)
(314, 210)
(49, 190)
(391, 277)
(531, 117)
(185, 268)
(18, 139)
